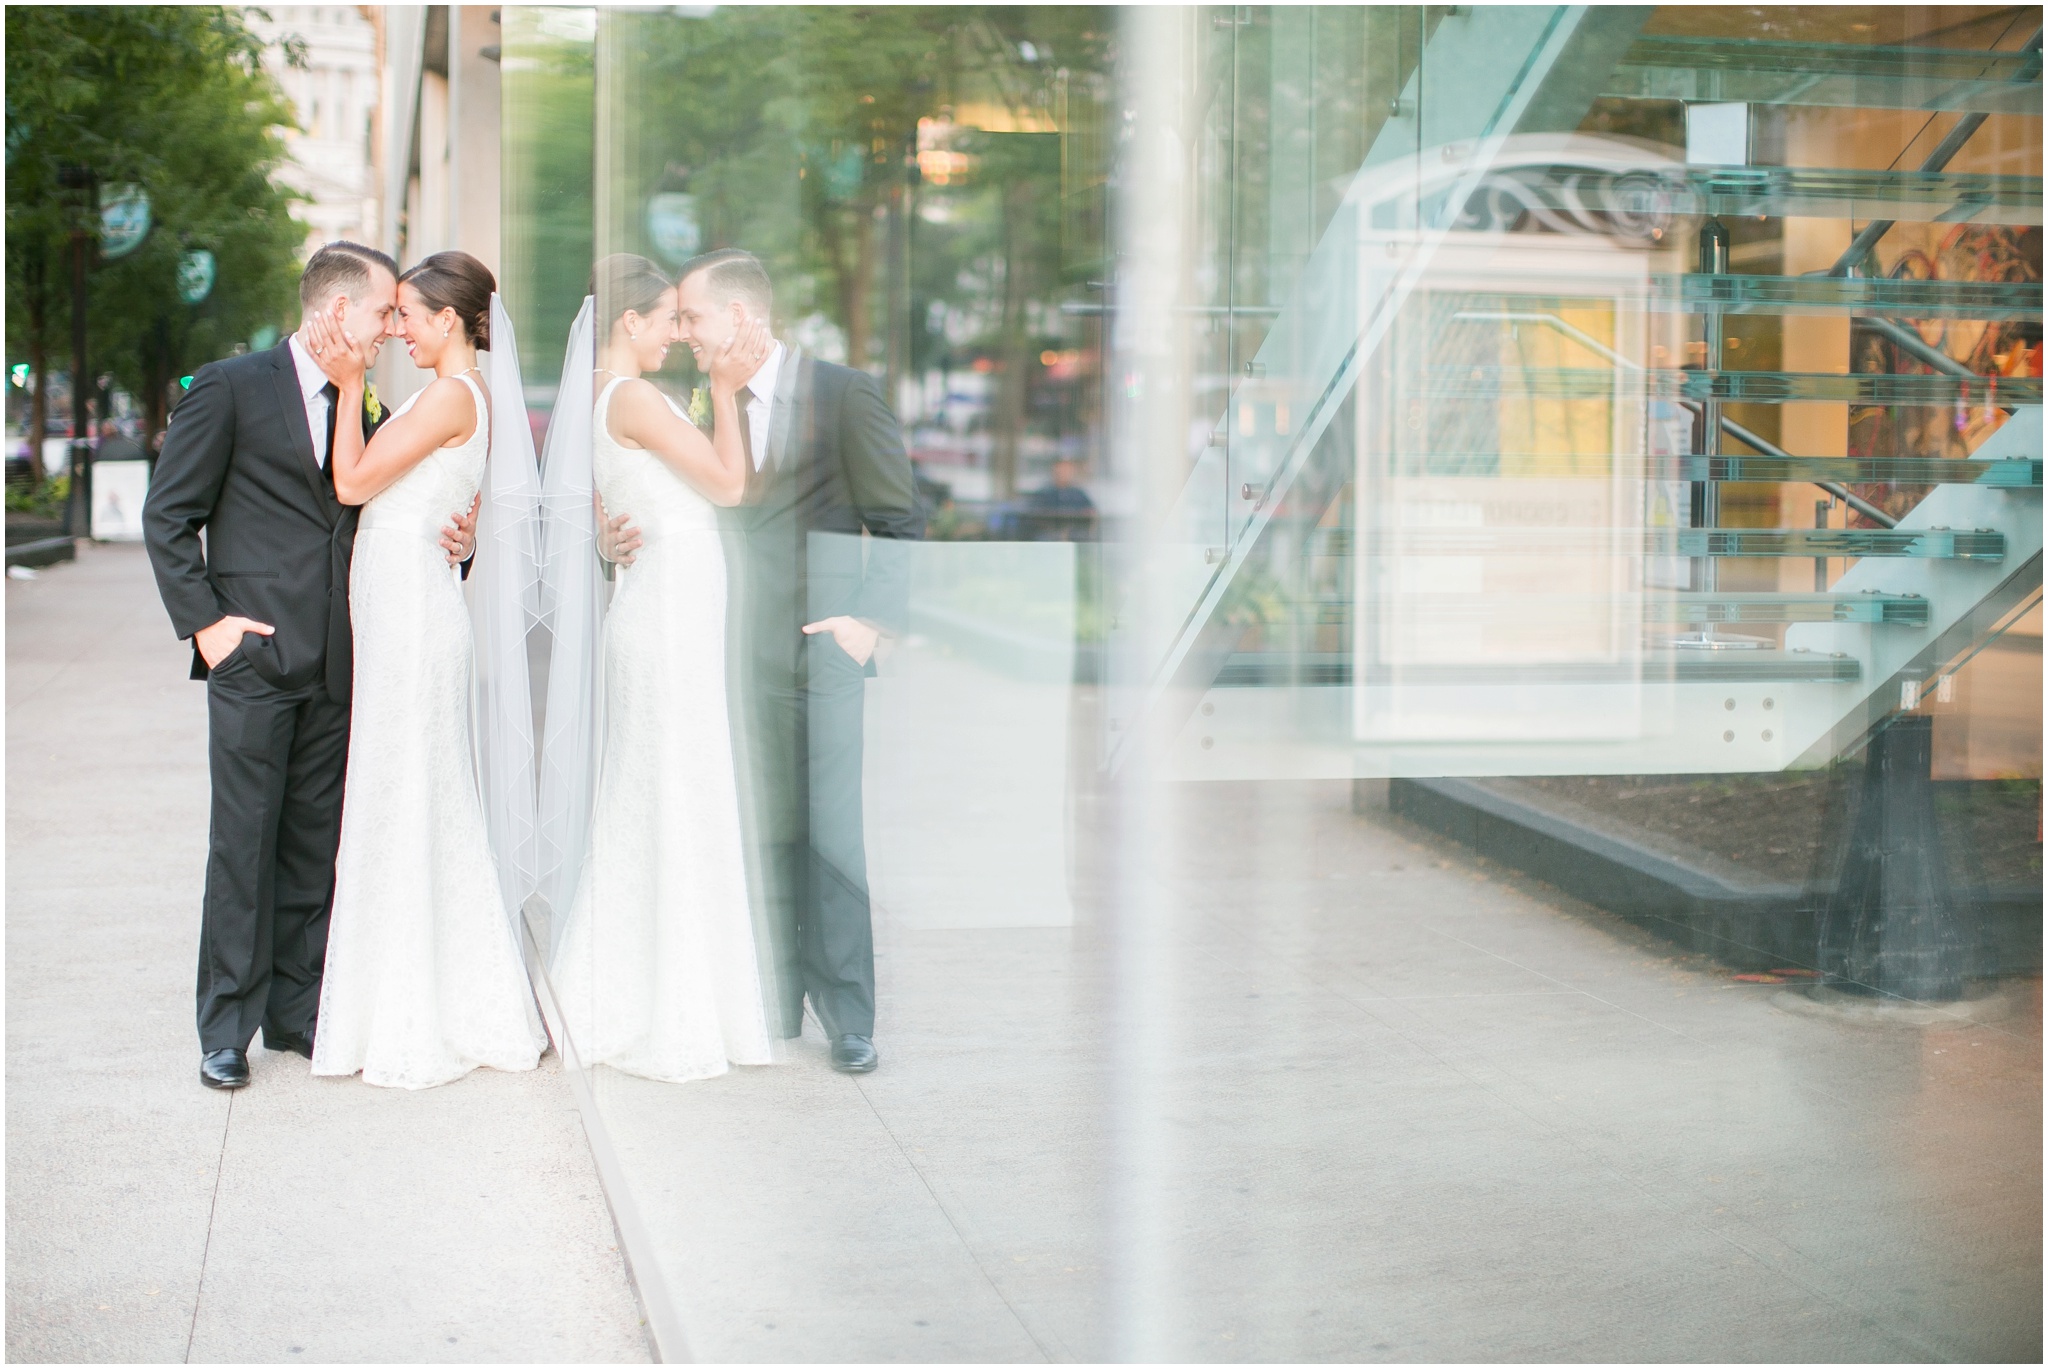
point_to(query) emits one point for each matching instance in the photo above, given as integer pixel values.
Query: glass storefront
(1392, 655)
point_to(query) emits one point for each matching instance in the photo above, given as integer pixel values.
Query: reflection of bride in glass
(655, 964)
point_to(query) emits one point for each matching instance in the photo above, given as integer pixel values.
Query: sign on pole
(124, 219)
(672, 225)
(195, 275)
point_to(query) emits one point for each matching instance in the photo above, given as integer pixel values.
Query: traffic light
(184, 382)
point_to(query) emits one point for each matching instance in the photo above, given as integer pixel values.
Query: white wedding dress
(424, 980)
(656, 970)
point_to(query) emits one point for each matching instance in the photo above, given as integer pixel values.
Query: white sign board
(118, 489)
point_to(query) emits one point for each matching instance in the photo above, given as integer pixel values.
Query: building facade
(327, 60)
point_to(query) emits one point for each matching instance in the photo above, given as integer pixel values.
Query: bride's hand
(742, 355)
(340, 356)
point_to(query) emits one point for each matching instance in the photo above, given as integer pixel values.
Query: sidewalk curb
(1748, 926)
(44, 551)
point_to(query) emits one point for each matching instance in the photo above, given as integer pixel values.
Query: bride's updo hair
(624, 281)
(458, 281)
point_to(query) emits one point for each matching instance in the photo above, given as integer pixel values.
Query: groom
(811, 597)
(264, 600)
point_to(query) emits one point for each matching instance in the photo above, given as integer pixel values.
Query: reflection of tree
(796, 132)
(791, 127)
(548, 78)
(176, 100)
(1023, 168)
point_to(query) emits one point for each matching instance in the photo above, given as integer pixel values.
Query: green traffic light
(184, 382)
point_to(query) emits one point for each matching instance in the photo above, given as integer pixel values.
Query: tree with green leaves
(173, 99)
(795, 130)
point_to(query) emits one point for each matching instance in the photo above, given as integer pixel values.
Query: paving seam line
(220, 1165)
(636, 1244)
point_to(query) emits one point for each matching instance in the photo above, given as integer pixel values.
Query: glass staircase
(1474, 504)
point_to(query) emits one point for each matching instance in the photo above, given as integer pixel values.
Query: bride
(424, 980)
(656, 967)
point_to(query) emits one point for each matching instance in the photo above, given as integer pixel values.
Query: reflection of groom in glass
(812, 597)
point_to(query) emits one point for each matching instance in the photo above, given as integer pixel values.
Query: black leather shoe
(854, 1054)
(224, 1069)
(289, 1041)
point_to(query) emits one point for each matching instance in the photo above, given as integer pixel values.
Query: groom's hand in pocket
(855, 637)
(459, 537)
(218, 642)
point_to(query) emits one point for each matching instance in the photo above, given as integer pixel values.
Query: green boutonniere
(700, 406)
(372, 405)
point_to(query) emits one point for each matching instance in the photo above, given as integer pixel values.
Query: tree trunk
(159, 369)
(38, 365)
(1014, 375)
(38, 405)
(854, 281)
(898, 295)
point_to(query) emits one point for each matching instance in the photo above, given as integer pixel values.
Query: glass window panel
(1404, 698)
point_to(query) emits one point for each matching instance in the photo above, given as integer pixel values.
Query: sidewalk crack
(946, 1211)
(219, 1165)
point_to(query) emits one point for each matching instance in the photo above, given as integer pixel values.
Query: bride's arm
(715, 466)
(444, 414)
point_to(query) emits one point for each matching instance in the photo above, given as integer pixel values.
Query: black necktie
(333, 394)
(751, 491)
(745, 397)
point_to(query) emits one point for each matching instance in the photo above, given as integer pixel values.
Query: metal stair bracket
(1341, 309)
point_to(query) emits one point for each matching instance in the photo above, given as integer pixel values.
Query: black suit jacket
(238, 462)
(836, 467)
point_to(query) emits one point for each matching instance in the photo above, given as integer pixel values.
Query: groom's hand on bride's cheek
(459, 537)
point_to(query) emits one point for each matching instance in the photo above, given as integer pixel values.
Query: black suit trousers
(808, 737)
(278, 759)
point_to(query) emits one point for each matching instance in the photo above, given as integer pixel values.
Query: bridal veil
(504, 608)
(573, 607)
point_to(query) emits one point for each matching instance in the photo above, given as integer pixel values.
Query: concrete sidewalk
(150, 1219)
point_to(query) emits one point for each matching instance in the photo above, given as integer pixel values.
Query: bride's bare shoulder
(451, 394)
(639, 400)
(447, 407)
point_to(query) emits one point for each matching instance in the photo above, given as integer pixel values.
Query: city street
(151, 1219)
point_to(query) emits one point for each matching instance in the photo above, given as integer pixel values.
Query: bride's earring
(632, 335)
(444, 332)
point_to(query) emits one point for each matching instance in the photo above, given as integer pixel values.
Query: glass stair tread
(1667, 607)
(1251, 670)
(2005, 473)
(1786, 295)
(1906, 609)
(1930, 544)
(1682, 192)
(1841, 75)
(1835, 193)
(1912, 299)
(1757, 387)
(1934, 544)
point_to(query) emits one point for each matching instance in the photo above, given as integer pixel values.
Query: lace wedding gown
(656, 969)
(424, 980)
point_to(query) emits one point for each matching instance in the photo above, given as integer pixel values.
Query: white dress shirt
(761, 408)
(312, 380)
